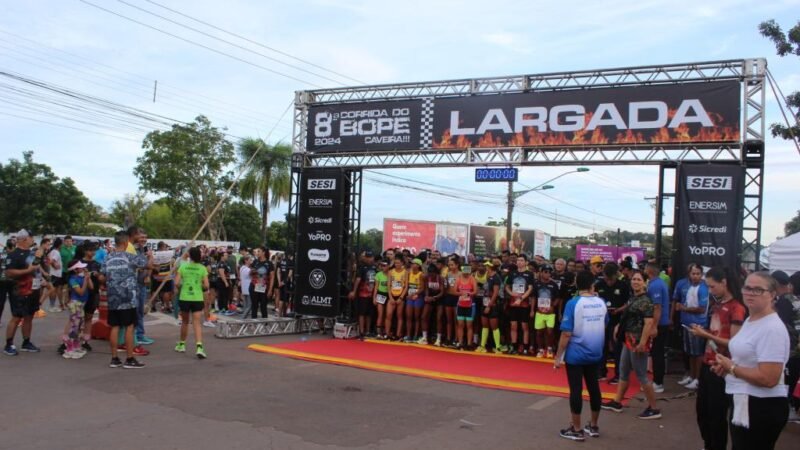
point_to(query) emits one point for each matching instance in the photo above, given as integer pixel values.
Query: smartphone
(686, 326)
(713, 346)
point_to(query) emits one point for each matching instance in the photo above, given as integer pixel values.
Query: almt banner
(690, 113)
(408, 234)
(318, 262)
(710, 200)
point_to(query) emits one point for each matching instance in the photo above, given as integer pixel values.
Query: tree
(267, 180)
(34, 198)
(165, 220)
(785, 44)
(372, 239)
(189, 164)
(278, 236)
(792, 226)
(242, 224)
(129, 209)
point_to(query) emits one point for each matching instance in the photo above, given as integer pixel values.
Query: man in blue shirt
(658, 292)
(583, 332)
(692, 302)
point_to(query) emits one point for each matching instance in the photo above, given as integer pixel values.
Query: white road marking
(544, 403)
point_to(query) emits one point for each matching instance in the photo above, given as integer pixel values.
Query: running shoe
(39, 314)
(181, 347)
(658, 388)
(28, 346)
(438, 343)
(481, 350)
(200, 352)
(10, 350)
(611, 405)
(525, 352)
(407, 339)
(140, 351)
(78, 353)
(685, 380)
(649, 414)
(85, 345)
(513, 351)
(540, 354)
(692, 385)
(571, 434)
(132, 363)
(115, 363)
(144, 340)
(591, 431)
(502, 349)
(422, 341)
(549, 353)
(68, 355)
(209, 324)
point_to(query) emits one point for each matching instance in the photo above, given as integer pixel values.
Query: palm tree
(266, 181)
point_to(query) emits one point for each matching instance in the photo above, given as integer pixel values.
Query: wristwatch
(732, 370)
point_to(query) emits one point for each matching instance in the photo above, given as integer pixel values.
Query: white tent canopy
(784, 254)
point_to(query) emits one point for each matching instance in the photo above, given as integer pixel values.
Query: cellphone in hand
(713, 345)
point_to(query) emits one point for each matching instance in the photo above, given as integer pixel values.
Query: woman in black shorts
(434, 290)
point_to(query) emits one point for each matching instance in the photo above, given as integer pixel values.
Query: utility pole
(155, 89)
(509, 213)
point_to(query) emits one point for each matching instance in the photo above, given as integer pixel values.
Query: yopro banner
(319, 242)
(708, 227)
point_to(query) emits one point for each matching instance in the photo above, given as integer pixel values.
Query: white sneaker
(422, 341)
(438, 342)
(692, 385)
(209, 324)
(658, 388)
(685, 380)
(66, 355)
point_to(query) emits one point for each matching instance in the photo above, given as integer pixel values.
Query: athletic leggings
(76, 313)
(768, 416)
(223, 297)
(576, 375)
(258, 302)
(712, 410)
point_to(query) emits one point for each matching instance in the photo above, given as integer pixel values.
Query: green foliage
(277, 236)
(372, 239)
(267, 179)
(189, 164)
(785, 44)
(33, 197)
(129, 209)
(792, 226)
(163, 220)
(242, 224)
(93, 229)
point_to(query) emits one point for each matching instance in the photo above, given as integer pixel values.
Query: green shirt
(382, 281)
(192, 275)
(67, 255)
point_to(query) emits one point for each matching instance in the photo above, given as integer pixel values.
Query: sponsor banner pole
(710, 201)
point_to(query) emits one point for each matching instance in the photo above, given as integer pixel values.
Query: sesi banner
(710, 198)
(688, 113)
(318, 261)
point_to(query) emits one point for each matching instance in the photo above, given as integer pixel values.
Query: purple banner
(609, 252)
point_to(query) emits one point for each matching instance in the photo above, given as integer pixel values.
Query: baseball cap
(369, 254)
(22, 234)
(416, 261)
(626, 264)
(781, 277)
(488, 264)
(547, 268)
(596, 259)
(78, 265)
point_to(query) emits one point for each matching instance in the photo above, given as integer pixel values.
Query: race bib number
(412, 291)
(260, 288)
(433, 286)
(486, 301)
(544, 302)
(37, 283)
(397, 285)
(381, 299)
(518, 288)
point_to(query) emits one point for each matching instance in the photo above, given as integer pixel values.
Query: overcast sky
(74, 45)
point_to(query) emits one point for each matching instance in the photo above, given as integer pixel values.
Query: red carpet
(513, 373)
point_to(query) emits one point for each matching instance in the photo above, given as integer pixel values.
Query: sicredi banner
(710, 198)
(707, 112)
(318, 262)
(413, 235)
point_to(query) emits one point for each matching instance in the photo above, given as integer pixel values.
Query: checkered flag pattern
(426, 130)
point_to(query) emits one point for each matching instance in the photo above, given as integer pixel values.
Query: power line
(241, 47)
(197, 44)
(67, 126)
(254, 42)
(590, 211)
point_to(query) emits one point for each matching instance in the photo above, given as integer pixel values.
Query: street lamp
(541, 187)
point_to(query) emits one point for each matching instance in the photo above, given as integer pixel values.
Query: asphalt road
(238, 399)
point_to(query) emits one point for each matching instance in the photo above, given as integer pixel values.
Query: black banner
(486, 241)
(689, 113)
(318, 262)
(364, 126)
(710, 199)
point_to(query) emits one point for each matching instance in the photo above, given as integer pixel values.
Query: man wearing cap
(547, 298)
(615, 293)
(363, 288)
(596, 267)
(21, 266)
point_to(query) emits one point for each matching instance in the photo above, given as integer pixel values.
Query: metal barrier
(230, 329)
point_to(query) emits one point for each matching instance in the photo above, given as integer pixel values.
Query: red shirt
(723, 315)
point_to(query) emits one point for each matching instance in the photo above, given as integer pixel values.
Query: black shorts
(91, 305)
(364, 306)
(517, 314)
(57, 281)
(450, 300)
(190, 306)
(122, 317)
(169, 286)
(24, 305)
(494, 312)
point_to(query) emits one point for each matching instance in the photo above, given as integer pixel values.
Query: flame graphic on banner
(533, 138)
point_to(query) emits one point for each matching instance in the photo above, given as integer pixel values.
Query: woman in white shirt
(244, 279)
(754, 372)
